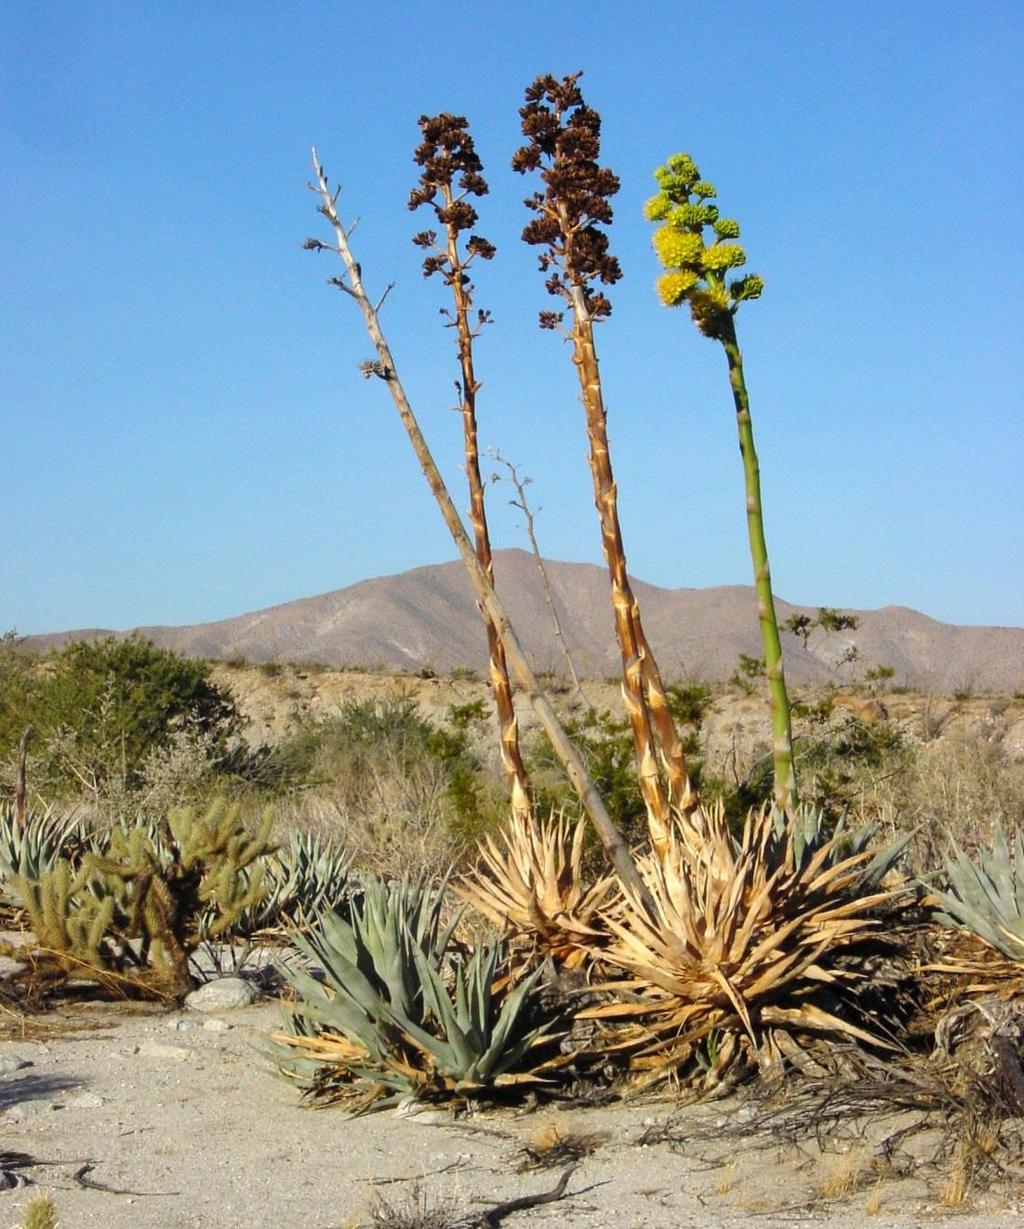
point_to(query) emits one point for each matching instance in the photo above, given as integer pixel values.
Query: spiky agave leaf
(740, 942)
(987, 898)
(309, 875)
(530, 879)
(475, 1036)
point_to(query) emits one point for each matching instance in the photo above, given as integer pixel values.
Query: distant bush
(101, 710)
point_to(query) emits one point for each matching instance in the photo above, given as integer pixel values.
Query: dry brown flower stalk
(452, 171)
(563, 143)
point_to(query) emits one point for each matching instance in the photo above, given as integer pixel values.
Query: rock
(12, 1062)
(85, 1101)
(416, 1111)
(216, 1025)
(153, 1049)
(181, 1024)
(30, 1109)
(222, 994)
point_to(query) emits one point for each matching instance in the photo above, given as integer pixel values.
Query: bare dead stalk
(523, 505)
(384, 369)
(20, 784)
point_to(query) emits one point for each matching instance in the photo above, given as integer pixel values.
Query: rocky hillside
(427, 619)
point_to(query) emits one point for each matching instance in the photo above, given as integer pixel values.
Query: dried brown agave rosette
(731, 962)
(530, 879)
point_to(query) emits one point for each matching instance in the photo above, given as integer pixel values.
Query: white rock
(12, 1062)
(216, 1025)
(29, 1109)
(181, 1024)
(222, 994)
(86, 1101)
(416, 1111)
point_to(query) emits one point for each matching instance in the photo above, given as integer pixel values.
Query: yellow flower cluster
(696, 268)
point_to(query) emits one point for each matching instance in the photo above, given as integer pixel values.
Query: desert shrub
(102, 709)
(401, 790)
(606, 744)
(836, 765)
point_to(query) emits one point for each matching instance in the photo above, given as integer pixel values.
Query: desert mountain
(426, 618)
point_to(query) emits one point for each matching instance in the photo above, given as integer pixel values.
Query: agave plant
(33, 850)
(737, 960)
(386, 1023)
(987, 899)
(302, 880)
(530, 879)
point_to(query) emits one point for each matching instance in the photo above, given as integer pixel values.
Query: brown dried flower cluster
(564, 143)
(452, 171)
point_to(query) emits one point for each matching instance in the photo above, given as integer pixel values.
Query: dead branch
(496, 1214)
(522, 503)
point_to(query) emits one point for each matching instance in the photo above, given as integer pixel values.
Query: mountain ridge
(426, 619)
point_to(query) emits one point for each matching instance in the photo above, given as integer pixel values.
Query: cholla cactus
(133, 912)
(697, 246)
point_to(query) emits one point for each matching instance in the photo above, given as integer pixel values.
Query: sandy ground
(184, 1112)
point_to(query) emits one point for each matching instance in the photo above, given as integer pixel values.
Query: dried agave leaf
(530, 879)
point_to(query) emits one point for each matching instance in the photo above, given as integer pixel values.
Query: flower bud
(723, 256)
(657, 208)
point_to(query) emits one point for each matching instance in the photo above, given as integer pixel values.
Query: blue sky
(185, 432)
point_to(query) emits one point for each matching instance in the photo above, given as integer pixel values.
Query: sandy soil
(184, 1112)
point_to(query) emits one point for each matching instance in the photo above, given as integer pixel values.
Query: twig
(496, 1214)
(427, 1173)
(88, 1184)
(523, 505)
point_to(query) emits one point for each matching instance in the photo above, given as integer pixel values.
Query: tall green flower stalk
(697, 248)
(452, 172)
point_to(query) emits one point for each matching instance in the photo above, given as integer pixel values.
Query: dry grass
(553, 1147)
(416, 1211)
(395, 836)
(727, 1180)
(845, 1179)
(964, 787)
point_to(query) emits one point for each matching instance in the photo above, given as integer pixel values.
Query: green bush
(101, 708)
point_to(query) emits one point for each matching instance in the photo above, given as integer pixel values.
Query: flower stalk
(697, 275)
(563, 144)
(452, 172)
